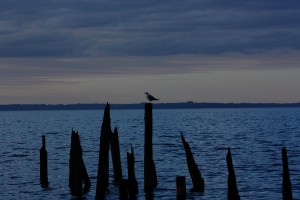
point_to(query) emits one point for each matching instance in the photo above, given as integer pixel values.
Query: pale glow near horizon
(238, 86)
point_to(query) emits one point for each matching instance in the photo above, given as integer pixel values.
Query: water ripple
(255, 136)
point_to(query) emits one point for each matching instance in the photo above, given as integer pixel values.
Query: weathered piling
(180, 188)
(103, 163)
(72, 161)
(150, 178)
(77, 170)
(198, 181)
(75, 175)
(286, 182)
(133, 188)
(116, 158)
(43, 164)
(123, 189)
(233, 193)
(85, 176)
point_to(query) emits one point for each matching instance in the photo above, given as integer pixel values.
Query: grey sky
(60, 43)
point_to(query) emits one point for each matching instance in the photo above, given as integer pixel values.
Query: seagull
(150, 97)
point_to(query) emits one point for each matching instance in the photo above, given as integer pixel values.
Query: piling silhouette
(198, 181)
(43, 164)
(103, 162)
(233, 193)
(286, 182)
(150, 178)
(180, 188)
(116, 158)
(123, 189)
(133, 188)
(77, 171)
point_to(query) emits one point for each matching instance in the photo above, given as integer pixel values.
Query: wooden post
(75, 173)
(85, 176)
(123, 188)
(72, 161)
(103, 162)
(150, 178)
(180, 188)
(77, 170)
(116, 158)
(43, 164)
(287, 193)
(198, 181)
(132, 183)
(233, 193)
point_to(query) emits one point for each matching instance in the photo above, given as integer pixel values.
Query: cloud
(146, 28)
(64, 70)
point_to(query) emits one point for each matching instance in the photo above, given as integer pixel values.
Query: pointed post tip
(44, 141)
(131, 148)
(283, 149)
(182, 137)
(228, 150)
(116, 129)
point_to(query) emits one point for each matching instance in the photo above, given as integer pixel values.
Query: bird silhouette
(150, 97)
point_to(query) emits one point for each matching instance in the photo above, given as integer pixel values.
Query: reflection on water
(255, 136)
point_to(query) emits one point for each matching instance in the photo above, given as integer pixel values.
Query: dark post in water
(150, 178)
(77, 169)
(116, 158)
(132, 183)
(103, 163)
(286, 182)
(233, 193)
(123, 189)
(43, 164)
(198, 181)
(180, 188)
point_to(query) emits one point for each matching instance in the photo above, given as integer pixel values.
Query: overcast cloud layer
(44, 42)
(50, 28)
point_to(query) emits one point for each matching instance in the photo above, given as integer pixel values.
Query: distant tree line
(184, 105)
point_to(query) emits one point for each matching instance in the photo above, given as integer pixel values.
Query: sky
(98, 51)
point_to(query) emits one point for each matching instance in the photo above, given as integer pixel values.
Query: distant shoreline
(185, 105)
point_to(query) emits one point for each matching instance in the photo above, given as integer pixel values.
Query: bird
(150, 97)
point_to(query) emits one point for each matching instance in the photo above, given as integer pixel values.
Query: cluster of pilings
(110, 140)
(128, 188)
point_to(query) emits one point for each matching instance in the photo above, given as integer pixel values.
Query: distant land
(184, 105)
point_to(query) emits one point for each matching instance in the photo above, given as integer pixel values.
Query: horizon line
(100, 106)
(137, 103)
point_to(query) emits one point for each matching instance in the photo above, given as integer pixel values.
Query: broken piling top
(43, 164)
(116, 157)
(286, 182)
(132, 183)
(106, 118)
(77, 170)
(198, 181)
(103, 162)
(285, 165)
(182, 138)
(43, 141)
(229, 159)
(132, 152)
(233, 193)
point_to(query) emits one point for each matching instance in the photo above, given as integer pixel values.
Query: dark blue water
(255, 136)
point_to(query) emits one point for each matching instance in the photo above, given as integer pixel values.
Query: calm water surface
(255, 136)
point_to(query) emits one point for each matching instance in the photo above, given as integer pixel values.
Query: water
(255, 136)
